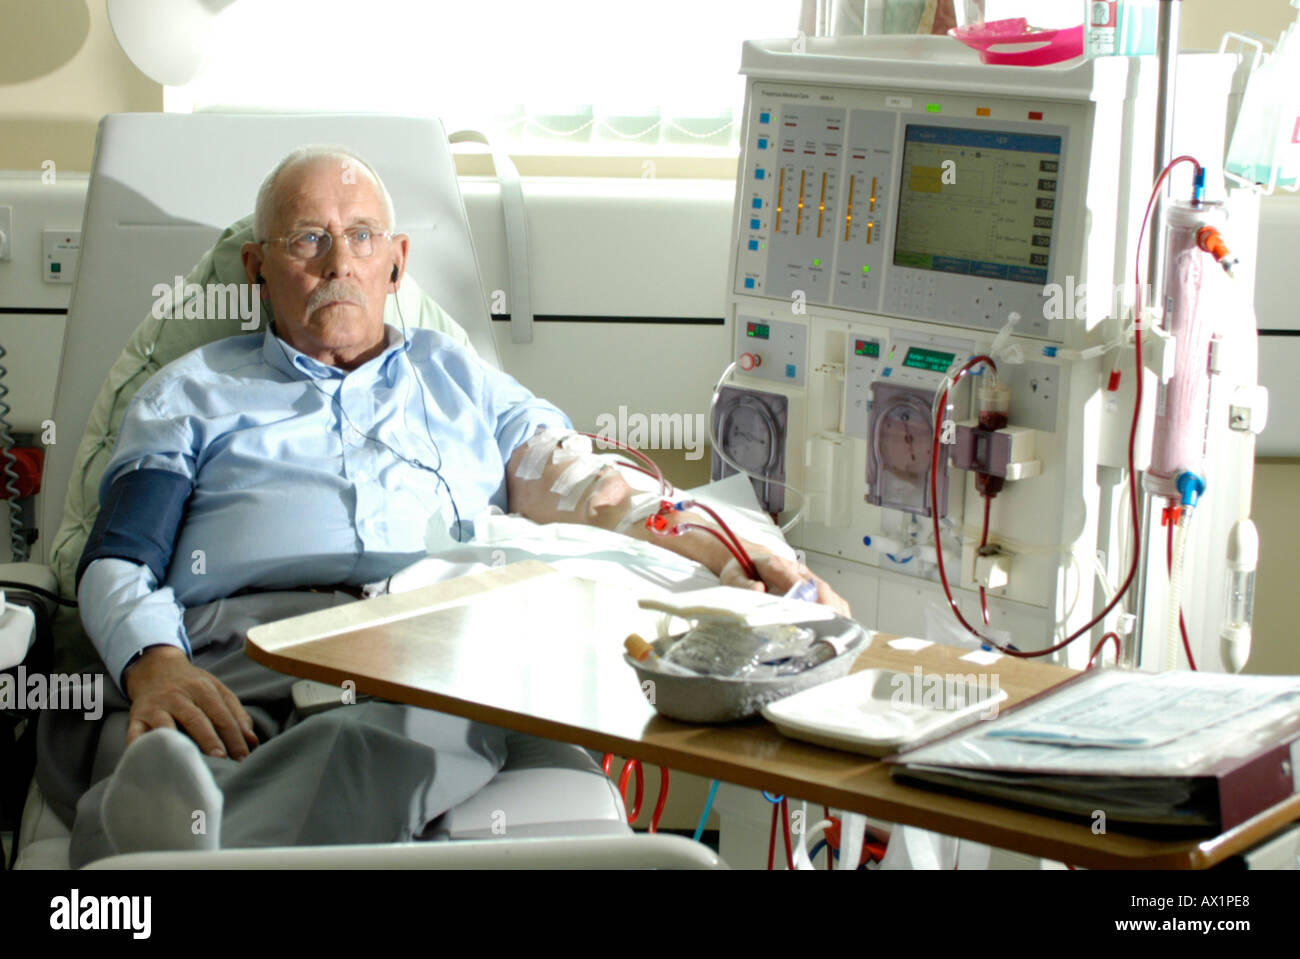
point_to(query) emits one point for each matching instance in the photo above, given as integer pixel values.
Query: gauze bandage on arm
(557, 477)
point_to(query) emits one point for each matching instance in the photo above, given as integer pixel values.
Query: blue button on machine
(762, 143)
(764, 117)
(758, 203)
(753, 244)
(790, 371)
(755, 225)
(759, 174)
(887, 370)
(749, 282)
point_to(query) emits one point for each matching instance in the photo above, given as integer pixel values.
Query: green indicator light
(866, 269)
(932, 108)
(817, 261)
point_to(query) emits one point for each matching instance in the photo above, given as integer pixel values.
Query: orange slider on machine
(780, 199)
(821, 206)
(848, 216)
(798, 220)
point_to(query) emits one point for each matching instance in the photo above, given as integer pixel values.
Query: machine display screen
(977, 202)
(932, 360)
(759, 331)
(866, 348)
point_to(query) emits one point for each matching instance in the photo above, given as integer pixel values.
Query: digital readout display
(933, 361)
(978, 202)
(866, 348)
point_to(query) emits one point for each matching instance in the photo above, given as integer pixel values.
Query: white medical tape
(575, 443)
(642, 505)
(581, 469)
(570, 447)
(569, 501)
(560, 455)
(536, 452)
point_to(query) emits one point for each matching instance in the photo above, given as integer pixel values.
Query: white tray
(881, 711)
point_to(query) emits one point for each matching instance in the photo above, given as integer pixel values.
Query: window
(606, 77)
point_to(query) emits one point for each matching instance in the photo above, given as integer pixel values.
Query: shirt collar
(296, 364)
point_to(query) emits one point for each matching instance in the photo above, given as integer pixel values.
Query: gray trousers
(369, 772)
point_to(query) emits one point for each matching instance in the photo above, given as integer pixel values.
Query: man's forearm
(124, 612)
(544, 494)
(696, 544)
(609, 502)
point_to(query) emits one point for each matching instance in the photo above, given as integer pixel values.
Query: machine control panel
(862, 365)
(876, 204)
(770, 349)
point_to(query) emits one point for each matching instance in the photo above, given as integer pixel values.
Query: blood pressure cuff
(138, 520)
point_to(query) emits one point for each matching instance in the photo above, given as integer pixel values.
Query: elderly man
(314, 455)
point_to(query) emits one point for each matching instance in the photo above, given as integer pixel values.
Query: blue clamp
(1191, 486)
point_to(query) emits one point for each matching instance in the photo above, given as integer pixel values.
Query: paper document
(1140, 715)
(1126, 723)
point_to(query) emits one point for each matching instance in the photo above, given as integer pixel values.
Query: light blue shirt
(303, 473)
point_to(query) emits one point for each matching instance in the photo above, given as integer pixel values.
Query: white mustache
(337, 290)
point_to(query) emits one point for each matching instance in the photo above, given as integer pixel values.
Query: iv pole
(1167, 54)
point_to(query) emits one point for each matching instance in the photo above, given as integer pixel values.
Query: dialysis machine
(902, 208)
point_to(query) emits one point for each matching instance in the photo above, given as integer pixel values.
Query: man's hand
(165, 688)
(779, 577)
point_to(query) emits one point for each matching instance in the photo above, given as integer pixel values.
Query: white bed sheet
(642, 569)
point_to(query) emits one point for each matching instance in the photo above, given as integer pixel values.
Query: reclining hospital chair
(162, 189)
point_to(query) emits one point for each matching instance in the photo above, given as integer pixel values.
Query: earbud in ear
(260, 278)
(393, 278)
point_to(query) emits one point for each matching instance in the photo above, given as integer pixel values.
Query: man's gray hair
(263, 210)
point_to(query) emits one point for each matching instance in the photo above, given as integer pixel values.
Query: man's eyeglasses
(311, 244)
